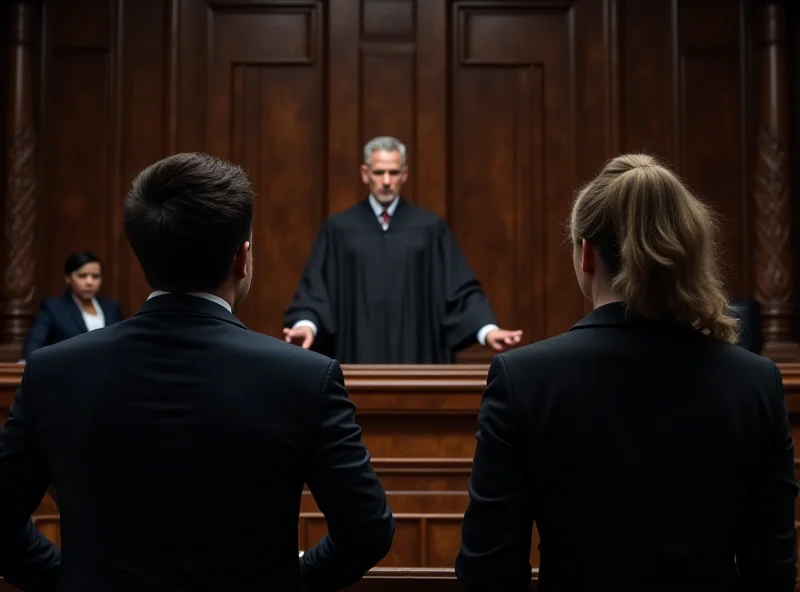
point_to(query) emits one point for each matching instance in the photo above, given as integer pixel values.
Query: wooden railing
(403, 579)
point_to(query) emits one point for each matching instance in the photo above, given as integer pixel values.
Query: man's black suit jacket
(28, 560)
(650, 457)
(178, 443)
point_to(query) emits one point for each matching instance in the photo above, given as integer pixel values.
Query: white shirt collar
(92, 321)
(205, 295)
(378, 208)
(95, 303)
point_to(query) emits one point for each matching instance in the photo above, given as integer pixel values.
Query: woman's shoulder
(55, 302)
(739, 357)
(549, 355)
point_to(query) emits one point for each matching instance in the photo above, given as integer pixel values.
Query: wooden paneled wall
(507, 106)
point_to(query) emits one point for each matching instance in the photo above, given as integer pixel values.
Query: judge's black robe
(402, 296)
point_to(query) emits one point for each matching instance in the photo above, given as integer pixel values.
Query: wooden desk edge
(452, 375)
(442, 378)
(416, 390)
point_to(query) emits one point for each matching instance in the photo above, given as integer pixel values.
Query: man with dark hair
(159, 432)
(186, 218)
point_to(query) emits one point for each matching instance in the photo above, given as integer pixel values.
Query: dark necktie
(385, 218)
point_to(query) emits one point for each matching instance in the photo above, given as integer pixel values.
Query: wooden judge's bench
(419, 423)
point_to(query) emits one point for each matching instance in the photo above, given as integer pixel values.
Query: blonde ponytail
(662, 242)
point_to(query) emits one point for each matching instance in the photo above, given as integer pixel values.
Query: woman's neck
(86, 305)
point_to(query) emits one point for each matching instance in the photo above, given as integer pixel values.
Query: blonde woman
(651, 452)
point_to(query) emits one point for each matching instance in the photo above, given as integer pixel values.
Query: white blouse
(93, 321)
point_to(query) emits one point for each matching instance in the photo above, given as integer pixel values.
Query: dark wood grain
(506, 108)
(774, 279)
(21, 175)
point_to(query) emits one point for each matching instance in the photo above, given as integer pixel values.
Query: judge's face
(384, 175)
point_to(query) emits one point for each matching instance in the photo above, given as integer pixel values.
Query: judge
(386, 282)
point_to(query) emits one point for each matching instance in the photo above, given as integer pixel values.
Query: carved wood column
(19, 205)
(774, 278)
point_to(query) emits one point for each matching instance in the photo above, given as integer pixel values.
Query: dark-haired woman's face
(85, 281)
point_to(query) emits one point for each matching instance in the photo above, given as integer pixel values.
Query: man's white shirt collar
(204, 295)
(378, 208)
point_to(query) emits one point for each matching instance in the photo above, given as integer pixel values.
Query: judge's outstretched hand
(502, 339)
(301, 335)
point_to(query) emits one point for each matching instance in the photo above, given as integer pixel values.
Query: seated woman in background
(78, 309)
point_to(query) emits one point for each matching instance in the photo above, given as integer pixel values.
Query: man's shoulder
(283, 355)
(422, 216)
(347, 217)
(256, 350)
(237, 336)
(268, 359)
(91, 341)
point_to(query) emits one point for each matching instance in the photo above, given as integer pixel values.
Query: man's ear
(588, 255)
(365, 174)
(240, 260)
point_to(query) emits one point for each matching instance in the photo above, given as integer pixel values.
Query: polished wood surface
(774, 245)
(506, 107)
(21, 188)
(404, 579)
(419, 424)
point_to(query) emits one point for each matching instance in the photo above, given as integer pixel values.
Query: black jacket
(60, 318)
(178, 443)
(650, 457)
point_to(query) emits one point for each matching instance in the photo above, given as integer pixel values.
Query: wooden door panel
(266, 104)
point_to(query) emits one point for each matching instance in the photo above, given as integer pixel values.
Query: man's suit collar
(186, 304)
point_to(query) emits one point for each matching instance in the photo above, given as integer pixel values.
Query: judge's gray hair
(386, 143)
